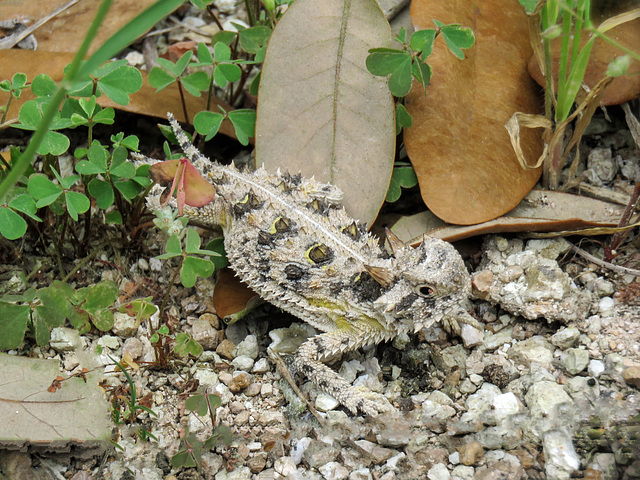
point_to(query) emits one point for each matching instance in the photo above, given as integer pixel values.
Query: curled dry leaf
(458, 144)
(320, 111)
(539, 211)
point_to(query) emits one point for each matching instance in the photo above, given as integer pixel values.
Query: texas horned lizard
(289, 239)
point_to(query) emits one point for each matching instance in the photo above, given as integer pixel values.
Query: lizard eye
(424, 290)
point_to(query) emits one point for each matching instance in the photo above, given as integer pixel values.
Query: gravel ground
(525, 398)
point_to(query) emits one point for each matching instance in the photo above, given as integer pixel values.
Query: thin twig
(12, 40)
(602, 263)
(286, 374)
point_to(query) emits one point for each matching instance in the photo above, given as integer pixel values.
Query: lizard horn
(394, 241)
(380, 274)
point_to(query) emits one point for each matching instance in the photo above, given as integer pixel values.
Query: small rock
(350, 370)
(471, 336)
(319, 453)
(605, 463)
(394, 438)
(565, 338)
(601, 163)
(595, 368)
(561, 458)
(225, 349)
(631, 375)
(124, 325)
(257, 463)
(243, 362)
(360, 474)
(239, 382)
(299, 448)
(604, 288)
(334, 470)
(261, 366)
(272, 418)
(614, 362)
(288, 340)
(64, 339)
(253, 390)
(204, 333)
(133, 347)
(266, 389)
(576, 360)
(498, 339)
(224, 393)
(481, 283)
(247, 347)
(325, 402)
(543, 397)
(71, 361)
(471, 453)
(462, 472)
(285, 466)
(109, 341)
(438, 472)
(206, 376)
(505, 405)
(377, 453)
(511, 273)
(606, 306)
(536, 349)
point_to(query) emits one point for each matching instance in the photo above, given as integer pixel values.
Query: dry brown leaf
(458, 144)
(65, 32)
(320, 111)
(539, 211)
(146, 101)
(232, 298)
(621, 89)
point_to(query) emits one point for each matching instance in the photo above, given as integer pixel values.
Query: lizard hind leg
(327, 346)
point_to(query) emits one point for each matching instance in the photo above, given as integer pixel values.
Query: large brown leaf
(320, 112)
(458, 145)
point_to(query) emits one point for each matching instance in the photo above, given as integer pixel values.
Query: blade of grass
(565, 43)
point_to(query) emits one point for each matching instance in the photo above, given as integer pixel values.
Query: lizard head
(423, 285)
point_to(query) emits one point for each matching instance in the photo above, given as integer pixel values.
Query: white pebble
(605, 306)
(596, 367)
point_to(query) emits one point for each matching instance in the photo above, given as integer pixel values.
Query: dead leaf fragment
(458, 144)
(320, 111)
(539, 211)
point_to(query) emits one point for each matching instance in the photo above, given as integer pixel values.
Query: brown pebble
(213, 320)
(482, 284)
(241, 381)
(257, 463)
(253, 390)
(225, 377)
(243, 451)
(225, 349)
(471, 453)
(631, 375)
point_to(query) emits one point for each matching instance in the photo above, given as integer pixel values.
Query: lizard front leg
(314, 352)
